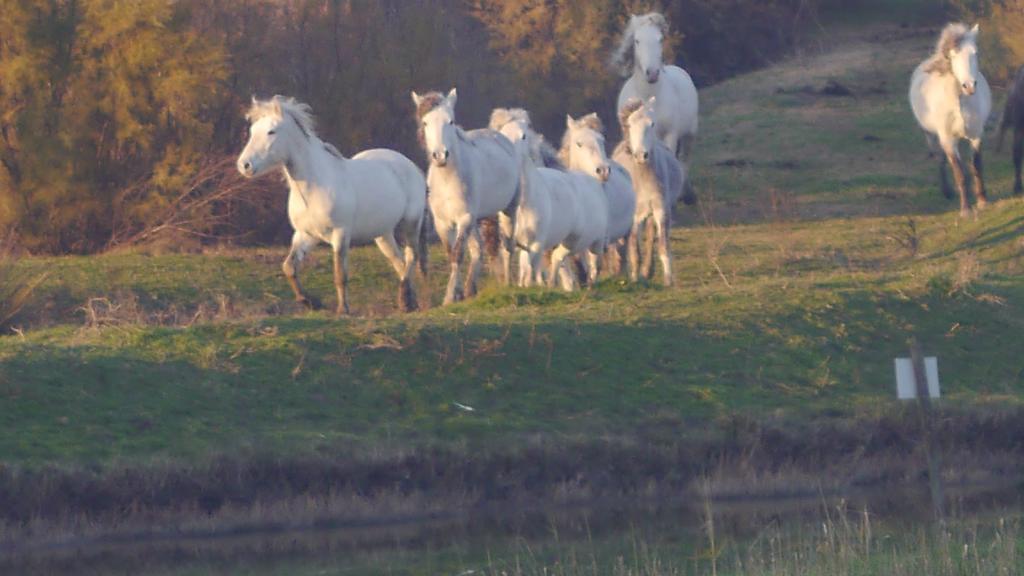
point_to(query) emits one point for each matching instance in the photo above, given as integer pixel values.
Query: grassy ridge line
(815, 314)
(798, 314)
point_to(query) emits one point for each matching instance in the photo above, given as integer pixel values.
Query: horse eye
(272, 132)
(579, 144)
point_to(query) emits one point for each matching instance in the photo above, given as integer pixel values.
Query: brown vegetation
(744, 459)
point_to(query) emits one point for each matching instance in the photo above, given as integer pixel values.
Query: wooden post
(926, 419)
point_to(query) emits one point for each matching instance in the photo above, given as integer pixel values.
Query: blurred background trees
(119, 118)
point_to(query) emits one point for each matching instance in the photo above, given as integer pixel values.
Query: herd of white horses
(575, 204)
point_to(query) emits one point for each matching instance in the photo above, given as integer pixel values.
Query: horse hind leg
(506, 225)
(340, 245)
(977, 170)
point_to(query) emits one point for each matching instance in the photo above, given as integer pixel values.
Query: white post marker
(906, 387)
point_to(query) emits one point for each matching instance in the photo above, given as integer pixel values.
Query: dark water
(622, 538)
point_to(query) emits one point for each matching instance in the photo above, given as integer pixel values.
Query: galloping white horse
(639, 57)
(472, 175)
(952, 101)
(583, 150)
(337, 200)
(658, 179)
(547, 212)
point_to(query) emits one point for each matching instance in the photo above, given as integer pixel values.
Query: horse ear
(453, 97)
(569, 122)
(275, 106)
(976, 30)
(416, 99)
(652, 101)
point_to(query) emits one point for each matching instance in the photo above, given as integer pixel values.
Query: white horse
(639, 57)
(472, 175)
(952, 101)
(338, 200)
(658, 179)
(547, 212)
(583, 149)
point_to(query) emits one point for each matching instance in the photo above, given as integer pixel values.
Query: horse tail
(423, 246)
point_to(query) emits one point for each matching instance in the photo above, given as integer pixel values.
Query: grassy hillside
(821, 245)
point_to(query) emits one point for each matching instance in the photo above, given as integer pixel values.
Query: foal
(658, 179)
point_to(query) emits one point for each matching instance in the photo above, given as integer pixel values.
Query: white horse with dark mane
(583, 151)
(472, 175)
(952, 101)
(639, 58)
(658, 179)
(337, 200)
(547, 213)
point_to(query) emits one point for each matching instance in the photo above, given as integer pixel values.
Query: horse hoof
(982, 204)
(1018, 189)
(965, 213)
(310, 302)
(341, 312)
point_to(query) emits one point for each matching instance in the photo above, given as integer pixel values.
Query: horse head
(637, 122)
(648, 36)
(437, 130)
(583, 147)
(963, 57)
(276, 125)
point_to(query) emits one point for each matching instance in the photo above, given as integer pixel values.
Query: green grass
(789, 311)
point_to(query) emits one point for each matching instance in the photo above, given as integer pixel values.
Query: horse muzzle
(970, 88)
(642, 157)
(653, 76)
(440, 158)
(246, 169)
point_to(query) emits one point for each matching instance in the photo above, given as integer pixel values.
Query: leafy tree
(97, 96)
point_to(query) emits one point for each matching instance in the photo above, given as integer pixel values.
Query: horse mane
(542, 153)
(300, 112)
(622, 60)
(631, 106)
(951, 38)
(428, 102)
(549, 157)
(591, 121)
(500, 117)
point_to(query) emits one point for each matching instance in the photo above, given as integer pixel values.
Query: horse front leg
(340, 244)
(1018, 160)
(476, 253)
(403, 267)
(953, 158)
(633, 251)
(976, 172)
(301, 244)
(456, 245)
(647, 265)
(663, 223)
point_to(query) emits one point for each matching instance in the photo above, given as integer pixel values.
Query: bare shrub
(217, 204)
(16, 284)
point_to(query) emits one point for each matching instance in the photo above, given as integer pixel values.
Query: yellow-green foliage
(1002, 23)
(97, 96)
